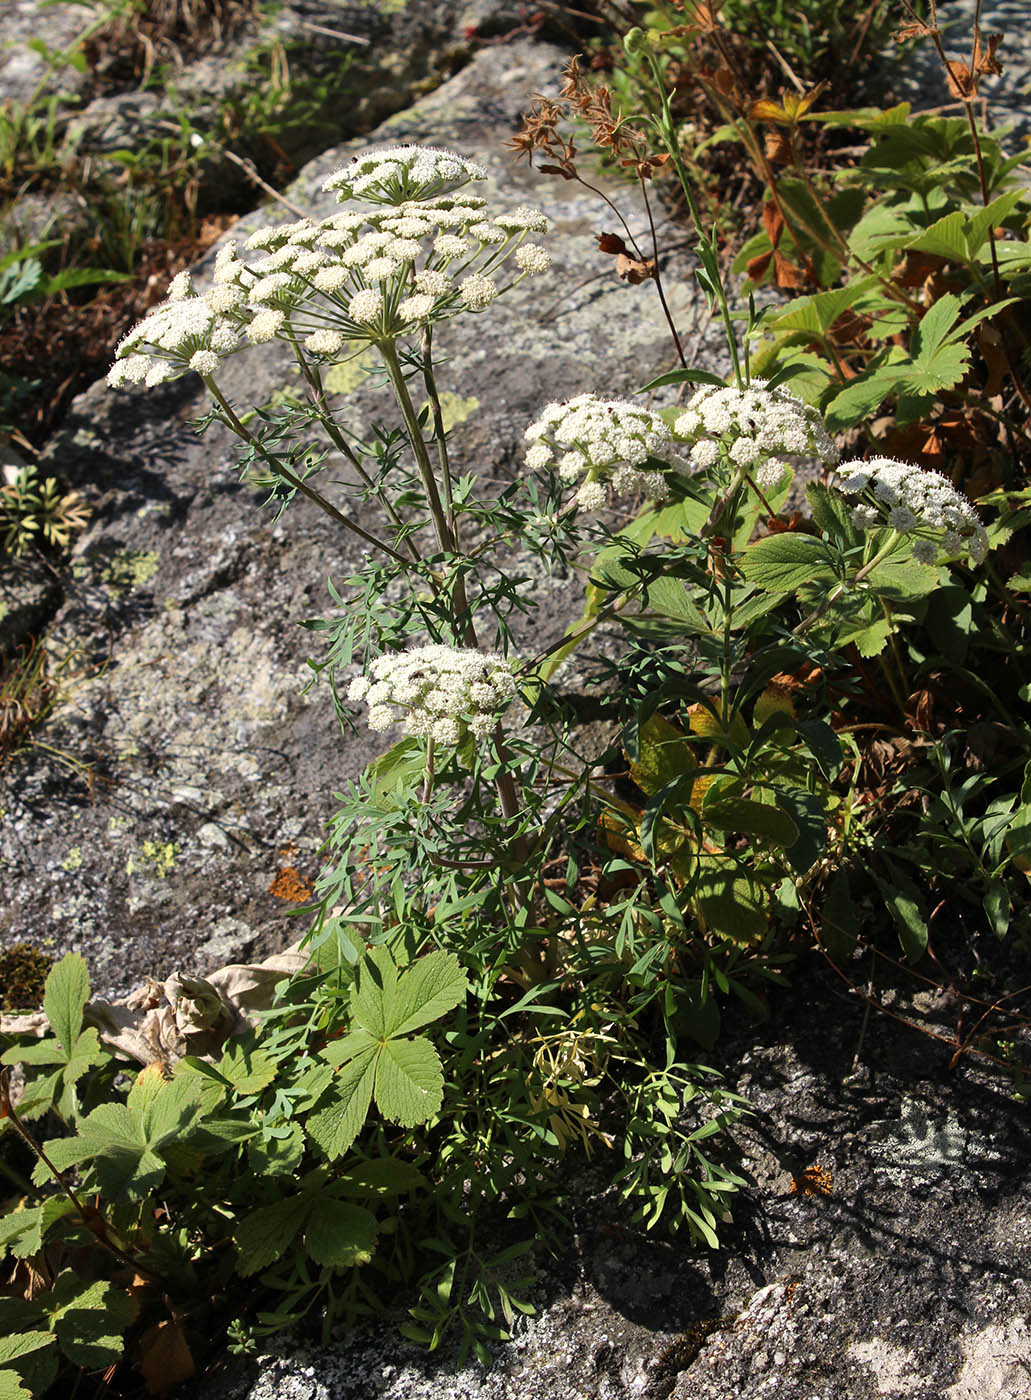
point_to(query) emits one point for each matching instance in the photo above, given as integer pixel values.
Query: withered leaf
(633, 271)
(612, 243)
(165, 1359)
(557, 170)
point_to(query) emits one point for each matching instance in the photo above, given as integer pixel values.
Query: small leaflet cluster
(425, 255)
(920, 504)
(762, 430)
(442, 693)
(602, 443)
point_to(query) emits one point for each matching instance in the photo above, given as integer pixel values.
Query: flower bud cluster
(602, 443)
(442, 693)
(395, 174)
(184, 332)
(920, 504)
(423, 255)
(762, 430)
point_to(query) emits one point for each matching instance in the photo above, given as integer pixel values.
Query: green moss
(129, 569)
(454, 409)
(160, 855)
(347, 376)
(23, 973)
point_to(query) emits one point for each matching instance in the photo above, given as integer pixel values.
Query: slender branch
(93, 1219)
(295, 481)
(657, 276)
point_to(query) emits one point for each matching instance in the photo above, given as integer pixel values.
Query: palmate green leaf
(11, 1387)
(11, 1349)
(782, 563)
(34, 1222)
(405, 1076)
(338, 1122)
(428, 989)
(340, 1235)
(662, 753)
(409, 1081)
(89, 1320)
(65, 996)
(387, 1176)
(122, 1140)
(268, 1232)
(946, 238)
(818, 312)
(249, 1070)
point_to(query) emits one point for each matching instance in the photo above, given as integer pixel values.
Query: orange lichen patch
(814, 1181)
(290, 884)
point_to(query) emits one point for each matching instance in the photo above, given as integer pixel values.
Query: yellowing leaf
(708, 725)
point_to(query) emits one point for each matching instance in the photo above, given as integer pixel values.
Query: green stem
(463, 621)
(439, 432)
(281, 470)
(832, 597)
(318, 395)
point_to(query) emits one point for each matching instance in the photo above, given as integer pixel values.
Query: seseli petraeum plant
(564, 912)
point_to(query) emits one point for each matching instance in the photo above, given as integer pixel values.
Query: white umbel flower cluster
(394, 174)
(763, 430)
(601, 443)
(921, 504)
(436, 692)
(185, 332)
(360, 276)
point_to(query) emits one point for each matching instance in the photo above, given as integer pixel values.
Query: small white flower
(325, 342)
(402, 174)
(486, 232)
(478, 292)
(381, 269)
(433, 281)
(265, 326)
(331, 279)
(180, 287)
(921, 504)
(441, 692)
(204, 362)
(450, 246)
(366, 307)
(603, 439)
(417, 308)
(591, 495)
(532, 258)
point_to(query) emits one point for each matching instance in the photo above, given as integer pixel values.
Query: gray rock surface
(908, 1280)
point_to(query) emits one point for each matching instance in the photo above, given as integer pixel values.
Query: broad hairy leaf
(267, 1233)
(376, 1058)
(340, 1235)
(409, 1081)
(65, 997)
(89, 1320)
(782, 563)
(751, 818)
(731, 902)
